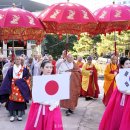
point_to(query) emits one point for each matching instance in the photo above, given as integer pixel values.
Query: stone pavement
(86, 116)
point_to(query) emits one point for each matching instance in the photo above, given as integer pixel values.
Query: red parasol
(19, 24)
(67, 18)
(112, 18)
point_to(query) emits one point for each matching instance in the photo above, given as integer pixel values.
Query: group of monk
(16, 88)
(89, 84)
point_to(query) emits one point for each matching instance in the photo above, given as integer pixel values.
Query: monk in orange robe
(109, 79)
(90, 87)
(79, 62)
(80, 65)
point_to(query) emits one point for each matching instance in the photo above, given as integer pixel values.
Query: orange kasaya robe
(109, 81)
(80, 65)
(75, 84)
(89, 82)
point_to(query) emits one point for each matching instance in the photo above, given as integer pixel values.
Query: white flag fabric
(51, 87)
(123, 80)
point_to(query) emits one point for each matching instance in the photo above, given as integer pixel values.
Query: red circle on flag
(51, 87)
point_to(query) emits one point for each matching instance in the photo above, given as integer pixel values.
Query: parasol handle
(115, 48)
(67, 41)
(13, 54)
(68, 0)
(115, 42)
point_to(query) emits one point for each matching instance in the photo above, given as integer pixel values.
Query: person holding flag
(45, 115)
(117, 113)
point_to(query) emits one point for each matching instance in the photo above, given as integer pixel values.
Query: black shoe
(80, 96)
(67, 113)
(88, 98)
(72, 112)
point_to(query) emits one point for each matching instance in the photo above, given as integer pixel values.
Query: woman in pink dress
(45, 115)
(117, 113)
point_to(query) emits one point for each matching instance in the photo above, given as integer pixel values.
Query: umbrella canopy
(19, 24)
(112, 18)
(68, 18)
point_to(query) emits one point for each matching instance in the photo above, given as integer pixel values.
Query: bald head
(70, 58)
(50, 57)
(79, 58)
(114, 59)
(18, 60)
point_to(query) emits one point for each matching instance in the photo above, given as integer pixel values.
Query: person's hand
(51, 108)
(128, 92)
(91, 72)
(54, 105)
(115, 73)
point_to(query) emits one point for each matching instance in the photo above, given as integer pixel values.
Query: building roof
(25, 4)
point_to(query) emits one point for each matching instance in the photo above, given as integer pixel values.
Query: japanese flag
(123, 80)
(51, 87)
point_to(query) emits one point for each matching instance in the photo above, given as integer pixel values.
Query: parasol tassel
(19, 41)
(60, 36)
(13, 55)
(78, 37)
(25, 43)
(5, 41)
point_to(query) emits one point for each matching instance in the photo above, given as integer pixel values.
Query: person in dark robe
(15, 90)
(2, 63)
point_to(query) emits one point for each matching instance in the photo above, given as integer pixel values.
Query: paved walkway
(86, 116)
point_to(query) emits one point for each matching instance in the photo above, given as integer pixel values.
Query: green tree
(96, 39)
(107, 42)
(84, 46)
(54, 45)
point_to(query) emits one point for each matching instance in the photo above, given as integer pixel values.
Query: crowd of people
(16, 88)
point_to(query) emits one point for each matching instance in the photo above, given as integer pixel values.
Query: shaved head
(70, 58)
(114, 59)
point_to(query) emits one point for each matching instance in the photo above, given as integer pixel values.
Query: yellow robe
(85, 76)
(109, 77)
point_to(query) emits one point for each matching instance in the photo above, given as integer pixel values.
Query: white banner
(51, 87)
(123, 80)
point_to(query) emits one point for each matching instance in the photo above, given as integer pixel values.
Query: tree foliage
(83, 46)
(54, 46)
(107, 42)
(86, 45)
